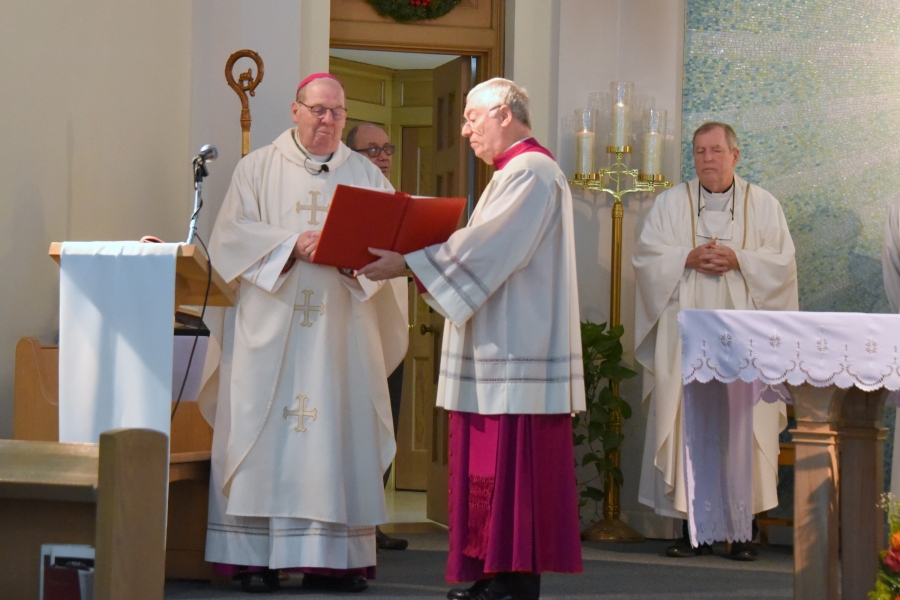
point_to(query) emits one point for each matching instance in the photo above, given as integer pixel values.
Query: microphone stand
(200, 172)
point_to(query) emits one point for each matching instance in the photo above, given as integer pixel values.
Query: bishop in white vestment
(715, 242)
(303, 427)
(511, 370)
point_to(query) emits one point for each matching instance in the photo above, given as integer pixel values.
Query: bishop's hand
(306, 245)
(389, 265)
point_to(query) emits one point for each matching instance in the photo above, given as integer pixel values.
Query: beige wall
(94, 144)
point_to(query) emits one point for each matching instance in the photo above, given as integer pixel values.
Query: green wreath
(409, 11)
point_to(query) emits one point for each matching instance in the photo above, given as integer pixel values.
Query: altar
(839, 368)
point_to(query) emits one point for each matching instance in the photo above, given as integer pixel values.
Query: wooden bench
(36, 417)
(111, 496)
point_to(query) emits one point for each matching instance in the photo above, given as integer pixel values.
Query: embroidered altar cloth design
(842, 349)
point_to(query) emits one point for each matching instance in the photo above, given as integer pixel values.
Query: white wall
(593, 42)
(94, 125)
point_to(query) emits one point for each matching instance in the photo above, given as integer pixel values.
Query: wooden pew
(111, 496)
(36, 417)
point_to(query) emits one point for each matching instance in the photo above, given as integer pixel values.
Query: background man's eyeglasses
(373, 152)
(318, 112)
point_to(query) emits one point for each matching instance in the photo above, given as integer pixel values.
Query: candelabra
(612, 182)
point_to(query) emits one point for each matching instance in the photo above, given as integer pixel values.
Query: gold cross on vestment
(301, 413)
(313, 207)
(307, 307)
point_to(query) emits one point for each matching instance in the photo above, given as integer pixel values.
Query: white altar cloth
(115, 337)
(733, 358)
(840, 349)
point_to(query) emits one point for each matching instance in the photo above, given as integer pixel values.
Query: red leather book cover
(361, 218)
(358, 219)
(428, 221)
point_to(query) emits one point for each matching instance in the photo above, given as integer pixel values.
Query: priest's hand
(306, 245)
(712, 259)
(389, 265)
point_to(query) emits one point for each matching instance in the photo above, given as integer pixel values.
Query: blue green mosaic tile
(812, 88)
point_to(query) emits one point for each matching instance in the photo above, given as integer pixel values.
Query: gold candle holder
(611, 528)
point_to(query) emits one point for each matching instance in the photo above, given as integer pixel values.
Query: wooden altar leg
(861, 438)
(816, 561)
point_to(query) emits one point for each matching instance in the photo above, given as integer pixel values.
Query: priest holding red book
(302, 429)
(511, 370)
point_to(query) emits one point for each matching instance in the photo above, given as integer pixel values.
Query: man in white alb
(371, 141)
(303, 428)
(890, 268)
(715, 242)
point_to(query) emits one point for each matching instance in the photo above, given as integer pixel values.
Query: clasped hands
(389, 264)
(712, 259)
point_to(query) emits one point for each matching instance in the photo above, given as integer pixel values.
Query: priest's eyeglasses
(319, 111)
(471, 124)
(375, 151)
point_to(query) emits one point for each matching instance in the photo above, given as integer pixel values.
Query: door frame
(487, 46)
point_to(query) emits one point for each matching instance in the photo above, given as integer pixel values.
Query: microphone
(208, 153)
(324, 167)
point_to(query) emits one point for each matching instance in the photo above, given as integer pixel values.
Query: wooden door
(451, 171)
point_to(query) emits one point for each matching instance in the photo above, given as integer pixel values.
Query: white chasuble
(753, 225)
(507, 285)
(303, 429)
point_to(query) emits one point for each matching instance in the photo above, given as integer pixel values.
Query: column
(861, 438)
(816, 561)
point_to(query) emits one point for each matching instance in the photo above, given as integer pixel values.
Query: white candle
(620, 124)
(653, 146)
(584, 152)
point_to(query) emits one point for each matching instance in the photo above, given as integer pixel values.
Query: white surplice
(507, 285)
(753, 225)
(303, 429)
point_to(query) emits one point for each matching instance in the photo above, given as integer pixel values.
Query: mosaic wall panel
(812, 88)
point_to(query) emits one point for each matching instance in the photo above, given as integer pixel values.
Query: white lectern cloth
(116, 301)
(751, 353)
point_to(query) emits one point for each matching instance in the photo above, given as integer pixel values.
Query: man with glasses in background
(371, 141)
(303, 429)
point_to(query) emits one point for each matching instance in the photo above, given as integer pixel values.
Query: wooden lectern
(36, 417)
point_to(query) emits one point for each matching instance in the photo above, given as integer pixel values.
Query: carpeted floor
(611, 572)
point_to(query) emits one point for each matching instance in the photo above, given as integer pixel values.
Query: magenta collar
(526, 145)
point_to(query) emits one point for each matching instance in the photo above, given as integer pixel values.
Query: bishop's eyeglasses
(319, 111)
(374, 151)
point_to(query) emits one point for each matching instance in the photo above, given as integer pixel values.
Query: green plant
(598, 429)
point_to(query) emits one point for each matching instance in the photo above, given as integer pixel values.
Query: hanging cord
(198, 328)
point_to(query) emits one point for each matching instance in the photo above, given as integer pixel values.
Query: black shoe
(683, 549)
(259, 582)
(512, 586)
(743, 551)
(354, 583)
(469, 593)
(386, 542)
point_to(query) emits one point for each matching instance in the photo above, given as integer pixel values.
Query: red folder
(362, 218)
